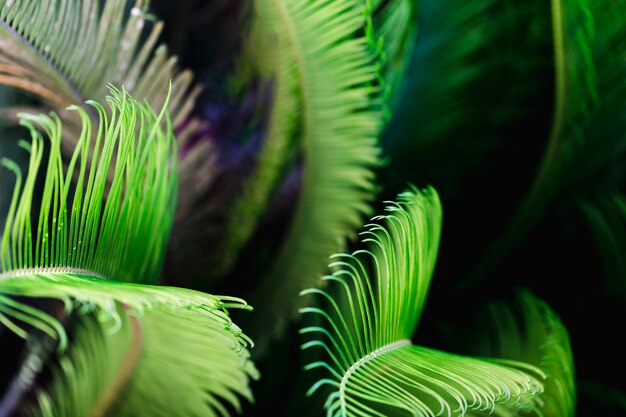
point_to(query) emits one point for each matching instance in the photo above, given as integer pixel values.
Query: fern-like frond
(135, 344)
(576, 91)
(459, 48)
(118, 230)
(391, 31)
(164, 361)
(329, 71)
(369, 314)
(589, 119)
(388, 29)
(537, 336)
(89, 294)
(67, 51)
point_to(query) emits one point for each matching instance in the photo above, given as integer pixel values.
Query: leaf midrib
(16, 273)
(365, 359)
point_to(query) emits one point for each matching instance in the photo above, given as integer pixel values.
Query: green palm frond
(122, 236)
(589, 119)
(328, 101)
(88, 294)
(391, 30)
(158, 364)
(536, 336)
(89, 236)
(460, 47)
(374, 368)
(67, 51)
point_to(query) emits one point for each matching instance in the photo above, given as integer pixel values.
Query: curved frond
(102, 220)
(116, 228)
(100, 43)
(536, 336)
(325, 57)
(135, 346)
(589, 118)
(391, 31)
(369, 313)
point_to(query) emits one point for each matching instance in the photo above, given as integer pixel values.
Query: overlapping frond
(536, 336)
(297, 73)
(589, 121)
(333, 72)
(460, 47)
(369, 314)
(67, 51)
(391, 31)
(177, 363)
(88, 294)
(102, 220)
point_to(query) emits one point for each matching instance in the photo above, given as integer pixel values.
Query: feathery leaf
(67, 51)
(537, 337)
(374, 368)
(122, 236)
(92, 234)
(589, 117)
(158, 363)
(339, 117)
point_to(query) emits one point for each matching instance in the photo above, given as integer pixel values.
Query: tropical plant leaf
(373, 304)
(339, 118)
(145, 340)
(588, 123)
(391, 30)
(461, 48)
(143, 363)
(98, 45)
(91, 234)
(122, 236)
(532, 333)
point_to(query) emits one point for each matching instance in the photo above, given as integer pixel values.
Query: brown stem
(33, 87)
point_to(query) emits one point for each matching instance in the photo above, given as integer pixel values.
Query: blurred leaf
(97, 46)
(531, 332)
(325, 99)
(589, 119)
